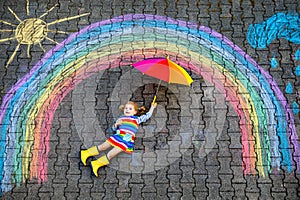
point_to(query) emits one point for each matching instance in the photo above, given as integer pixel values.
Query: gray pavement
(192, 147)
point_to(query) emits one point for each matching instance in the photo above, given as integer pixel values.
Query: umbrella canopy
(164, 69)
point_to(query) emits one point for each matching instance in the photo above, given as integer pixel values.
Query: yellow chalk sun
(32, 31)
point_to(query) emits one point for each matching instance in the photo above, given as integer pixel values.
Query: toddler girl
(126, 127)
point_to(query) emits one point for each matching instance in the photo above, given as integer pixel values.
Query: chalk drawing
(32, 31)
(280, 25)
(271, 142)
(274, 63)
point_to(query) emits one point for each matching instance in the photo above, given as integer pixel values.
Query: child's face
(129, 110)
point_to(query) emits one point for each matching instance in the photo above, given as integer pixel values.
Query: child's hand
(154, 105)
(118, 123)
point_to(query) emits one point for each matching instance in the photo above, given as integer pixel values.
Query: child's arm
(153, 106)
(146, 116)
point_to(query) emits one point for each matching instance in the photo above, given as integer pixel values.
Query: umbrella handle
(154, 99)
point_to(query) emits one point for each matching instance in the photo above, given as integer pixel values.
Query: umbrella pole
(154, 98)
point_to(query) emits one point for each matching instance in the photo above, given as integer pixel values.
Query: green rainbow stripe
(266, 121)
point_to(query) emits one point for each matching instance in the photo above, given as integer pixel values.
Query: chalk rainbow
(268, 132)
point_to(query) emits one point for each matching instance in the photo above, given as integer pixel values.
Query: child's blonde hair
(140, 110)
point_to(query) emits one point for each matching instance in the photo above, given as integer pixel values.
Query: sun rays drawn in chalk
(32, 31)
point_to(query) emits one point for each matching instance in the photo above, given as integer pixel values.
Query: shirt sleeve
(144, 118)
(113, 128)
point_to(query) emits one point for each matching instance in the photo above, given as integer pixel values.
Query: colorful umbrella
(164, 69)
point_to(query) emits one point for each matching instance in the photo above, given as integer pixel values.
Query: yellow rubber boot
(85, 154)
(100, 162)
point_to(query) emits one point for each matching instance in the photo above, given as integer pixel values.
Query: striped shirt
(124, 138)
(130, 124)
